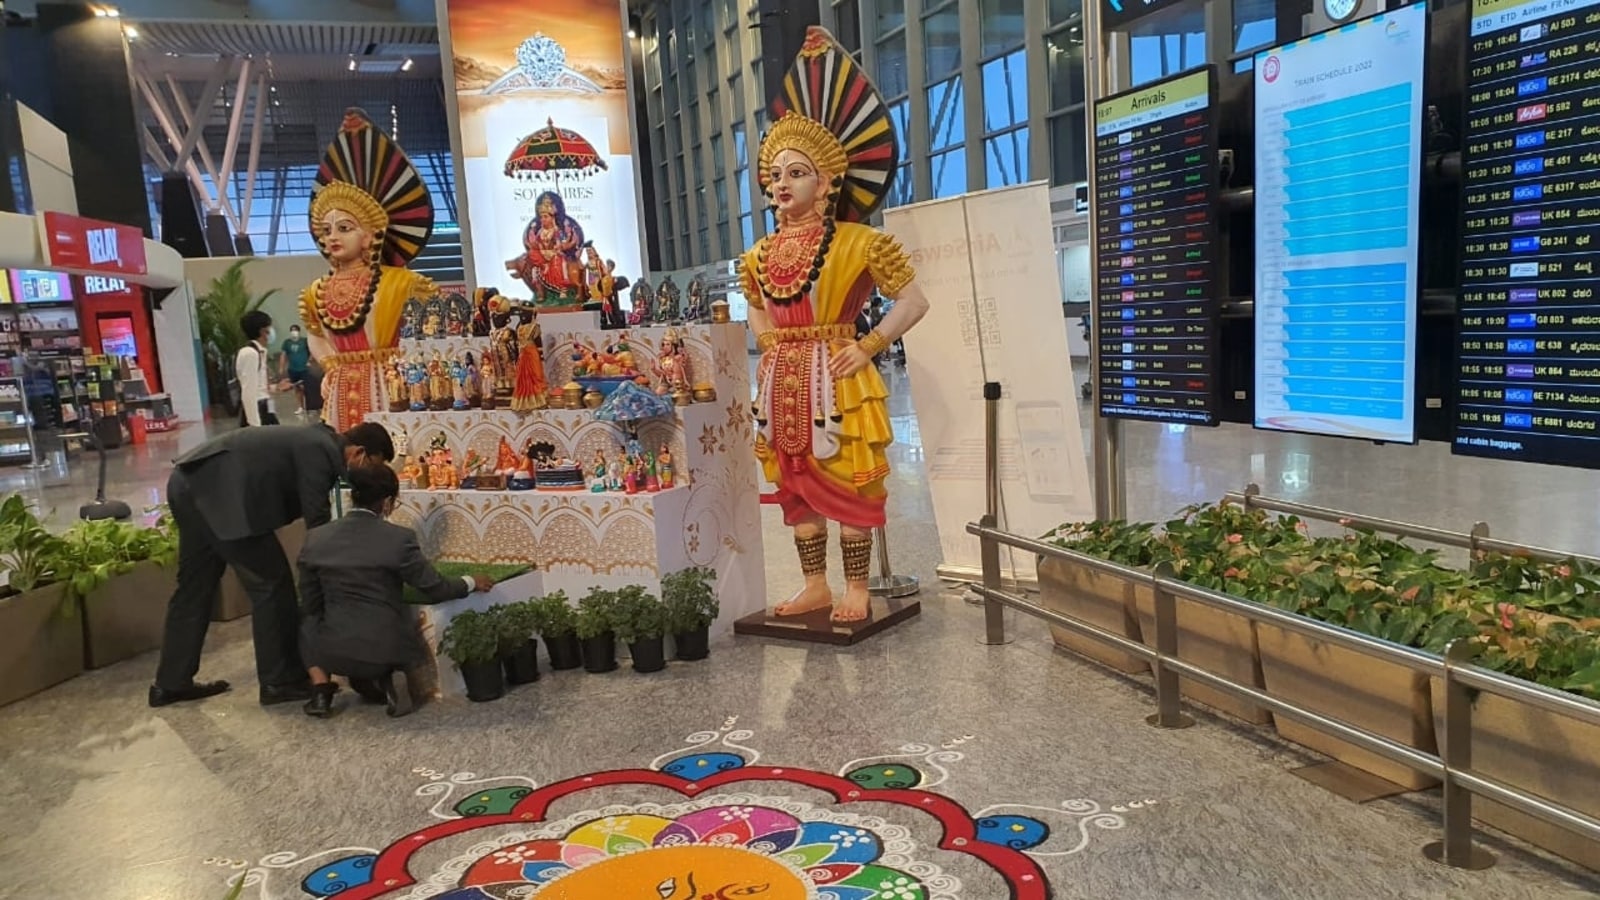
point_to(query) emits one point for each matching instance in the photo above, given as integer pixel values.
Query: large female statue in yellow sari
(371, 215)
(822, 424)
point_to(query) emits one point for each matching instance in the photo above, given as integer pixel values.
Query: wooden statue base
(815, 627)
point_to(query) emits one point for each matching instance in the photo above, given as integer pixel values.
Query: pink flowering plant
(1532, 619)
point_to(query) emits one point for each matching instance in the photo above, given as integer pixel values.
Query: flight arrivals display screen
(1528, 331)
(1338, 148)
(1155, 181)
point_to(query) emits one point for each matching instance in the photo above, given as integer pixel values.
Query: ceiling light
(131, 32)
(406, 66)
(632, 34)
(352, 63)
(112, 11)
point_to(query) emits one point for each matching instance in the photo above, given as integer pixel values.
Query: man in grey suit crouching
(229, 496)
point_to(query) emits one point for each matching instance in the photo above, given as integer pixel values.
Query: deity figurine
(549, 265)
(667, 300)
(597, 472)
(458, 380)
(487, 376)
(696, 311)
(474, 382)
(439, 382)
(643, 300)
(441, 471)
(531, 391)
(822, 424)
(506, 460)
(652, 481)
(503, 343)
(672, 365)
(433, 319)
(480, 311)
(417, 383)
(394, 383)
(402, 441)
(614, 472)
(371, 214)
(664, 468)
(414, 474)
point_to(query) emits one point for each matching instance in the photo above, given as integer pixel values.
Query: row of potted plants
(1533, 619)
(498, 646)
(87, 597)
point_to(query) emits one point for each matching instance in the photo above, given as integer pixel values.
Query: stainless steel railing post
(994, 614)
(1455, 751)
(1169, 709)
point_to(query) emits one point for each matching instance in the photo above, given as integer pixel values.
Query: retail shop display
(1155, 162)
(822, 423)
(371, 214)
(1336, 232)
(1528, 332)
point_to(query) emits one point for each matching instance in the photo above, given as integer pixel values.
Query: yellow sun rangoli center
(692, 872)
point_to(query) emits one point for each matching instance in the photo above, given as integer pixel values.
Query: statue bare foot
(855, 605)
(814, 596)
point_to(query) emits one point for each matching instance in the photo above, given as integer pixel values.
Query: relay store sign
(90, 246)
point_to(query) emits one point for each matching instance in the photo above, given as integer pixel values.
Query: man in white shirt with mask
(250, 366)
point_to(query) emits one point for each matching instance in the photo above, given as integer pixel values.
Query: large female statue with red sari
(371, 215)
(822, 423)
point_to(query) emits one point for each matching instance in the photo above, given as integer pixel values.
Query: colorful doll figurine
(439, 382)
(652, 483)
(672, 365)
(474, 382)
(615, 470)
(664, 468)
(486, 380)
(417, 383)
(597, 473)
(402, 441)
(458, 379)
(630, 476)
(532, 391)
(394, 384)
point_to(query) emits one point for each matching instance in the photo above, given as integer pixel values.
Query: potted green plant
(472, 641)
(691, 606)
(41, 639)
(518, 650)
(641, 622)
(596, 630)
(217, 315)
(1106, 601)
(557, 624)
(122, 577)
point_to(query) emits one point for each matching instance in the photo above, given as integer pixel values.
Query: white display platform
(577, 539)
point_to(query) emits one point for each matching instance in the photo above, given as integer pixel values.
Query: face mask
(272, 335)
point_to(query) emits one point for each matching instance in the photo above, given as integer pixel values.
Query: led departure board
(1528, 349)
(1155, 180)
(1338, 175)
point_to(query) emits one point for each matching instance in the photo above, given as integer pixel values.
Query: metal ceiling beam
(241, 93)
(193, 122)
(252, 165)
(164, 119)
(197, 123)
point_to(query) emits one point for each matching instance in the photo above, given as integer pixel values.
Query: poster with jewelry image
(987, 263)
(543, 126)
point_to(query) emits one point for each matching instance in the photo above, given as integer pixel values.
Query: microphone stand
(101, 508)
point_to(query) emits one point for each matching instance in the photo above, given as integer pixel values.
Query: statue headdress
(365, 173)
(831, 111)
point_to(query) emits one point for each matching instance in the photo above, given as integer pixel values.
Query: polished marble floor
(103, 797)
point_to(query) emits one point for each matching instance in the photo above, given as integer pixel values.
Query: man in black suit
(229, 496)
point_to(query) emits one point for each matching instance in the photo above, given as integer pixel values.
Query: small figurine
(441, 471)
(438, 382)
(417, 383)
(433, 319)
(696, 311)
(394, 383)
(667, 302)
(486, 381)
(411, 319)
(614, 471)
(664, 468)
(642, 299)
(402, 441)
(506, 461)
(480, 311)
(414, 475)
(531, 390)
(652, 481)
(458, 379)
(597, 472)
(457, 315)
(504, 344)
(630, 476)
(672, 365)
(474, 381)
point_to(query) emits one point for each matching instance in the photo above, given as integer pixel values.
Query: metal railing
(1452, 765)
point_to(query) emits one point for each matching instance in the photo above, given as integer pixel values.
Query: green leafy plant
(517, 623)
(472, 637)
(96, 552)
(638, 616)
(217, 314)
(689, 598)
(553, 615)
(30, 554)
(597, 613)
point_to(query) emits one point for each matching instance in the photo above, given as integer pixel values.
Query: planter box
(1216, 641)
(232, 601)
(1104, 601)
(40, 644)
(1383, 698)
(126, 616)
(1539, 752)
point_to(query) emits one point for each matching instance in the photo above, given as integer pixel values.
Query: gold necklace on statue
(789, 262)
(344, 299)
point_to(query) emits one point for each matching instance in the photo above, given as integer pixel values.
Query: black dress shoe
(194, 690)
(285, 693)
(321, 703)
(370, 689)
(398, 691)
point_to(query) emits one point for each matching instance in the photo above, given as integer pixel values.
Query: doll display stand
(578, 539)
(816, 628)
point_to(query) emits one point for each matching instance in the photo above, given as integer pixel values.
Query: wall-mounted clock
(1341, 10)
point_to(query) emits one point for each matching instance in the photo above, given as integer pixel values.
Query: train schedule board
(1155, 184)
(1528, 335)
(1338, 174)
